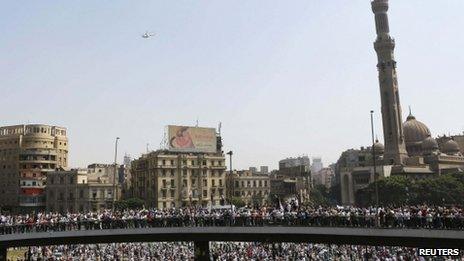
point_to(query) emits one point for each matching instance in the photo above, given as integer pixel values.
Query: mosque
(409, 150)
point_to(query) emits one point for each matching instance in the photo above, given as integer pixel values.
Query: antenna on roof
(148, 144)
(196, 125)
(410, 113)
(219, 128)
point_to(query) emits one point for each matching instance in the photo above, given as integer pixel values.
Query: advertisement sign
(191, 139)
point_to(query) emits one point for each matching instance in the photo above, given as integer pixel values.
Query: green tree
(394, 190)
(131, 203)
(319, 195)
(237, 202)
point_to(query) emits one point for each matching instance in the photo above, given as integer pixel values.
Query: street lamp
(115, 170)
(373, 156)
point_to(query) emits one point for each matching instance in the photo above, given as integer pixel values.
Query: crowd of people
(227, 251)
(436, 217)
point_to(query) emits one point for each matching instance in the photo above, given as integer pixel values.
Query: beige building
(79, 190)
(251, 187)
(323, 177)
(27, 154)
(166, 179)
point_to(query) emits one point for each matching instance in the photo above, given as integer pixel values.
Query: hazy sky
(284, 77)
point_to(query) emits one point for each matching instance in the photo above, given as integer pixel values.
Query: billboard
(191, 139)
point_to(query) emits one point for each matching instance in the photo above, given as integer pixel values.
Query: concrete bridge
(201, 236)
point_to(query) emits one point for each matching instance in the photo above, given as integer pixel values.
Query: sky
(285, 78)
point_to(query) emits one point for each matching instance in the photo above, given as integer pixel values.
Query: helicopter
(147, 35)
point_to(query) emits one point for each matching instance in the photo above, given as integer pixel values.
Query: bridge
(201, 236)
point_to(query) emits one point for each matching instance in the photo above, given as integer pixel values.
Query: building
(253, 169)
(79, 190)
(323, 177)
(409, 149)
(317, 165)
(125, 177)
(27, 154)
(293, 179)
(108, 171)
(252, 188)
(294, 162)
(166, 179)
(191, 171)
(264, 169)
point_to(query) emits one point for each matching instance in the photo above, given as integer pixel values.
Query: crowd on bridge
(429, 217)
(227, 251)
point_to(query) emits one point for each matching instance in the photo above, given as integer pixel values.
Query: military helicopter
(147, 35)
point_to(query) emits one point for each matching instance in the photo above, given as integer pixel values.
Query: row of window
(194, 193)
(251, 193)
(172, 183)
(189, 162)
(249, 184)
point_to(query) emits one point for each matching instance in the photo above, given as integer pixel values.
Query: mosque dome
(429, 145)
(414, 130)
(414, 133)
(379, 147)
(450, 147)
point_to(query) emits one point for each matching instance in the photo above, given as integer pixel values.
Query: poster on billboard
(191, 139)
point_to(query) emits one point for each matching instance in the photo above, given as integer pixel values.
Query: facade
(323, 177)
(167, 179)
(27, 154)
(293, 179)
(79, 190)
(125, 177)
(253, 188)
(317, 165)
(294, 162)
(264, 169)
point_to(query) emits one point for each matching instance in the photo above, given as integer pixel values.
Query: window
(205, 183)
(205, 193)
(193, 182)
(220, 183)
(164, 162)
(163, 193)
(172, 193)
(71, 180)
(172, 162)
(213, 183)
(236, 184)
(184, 183)
(164, 183)
(173, 184)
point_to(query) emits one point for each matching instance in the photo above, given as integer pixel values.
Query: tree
(392, 190)
(319, 195)
(238, 202)
(131, 203)
(399, 190)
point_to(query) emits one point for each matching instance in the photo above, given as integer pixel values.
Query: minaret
(395, 147)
